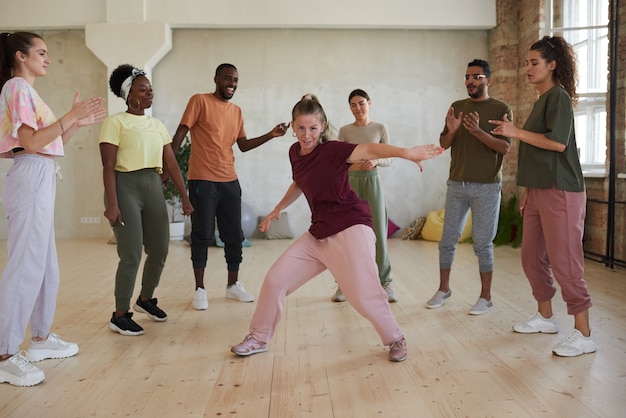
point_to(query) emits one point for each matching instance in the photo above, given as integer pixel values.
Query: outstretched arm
(416, 154)
(246, 144)
(291, 195)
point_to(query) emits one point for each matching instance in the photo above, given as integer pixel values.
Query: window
(584, 24)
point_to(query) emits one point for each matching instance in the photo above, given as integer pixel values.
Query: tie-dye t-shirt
(21, 105)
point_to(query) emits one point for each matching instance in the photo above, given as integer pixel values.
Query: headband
(125, 88)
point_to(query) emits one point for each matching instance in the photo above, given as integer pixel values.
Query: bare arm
(291, 195)
(169, 161)
(506, 128)
(108, 153)
(246, 144)
(87, 110)
(180, 134)
(416, 154)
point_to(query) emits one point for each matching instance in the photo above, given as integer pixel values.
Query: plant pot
(177, 231)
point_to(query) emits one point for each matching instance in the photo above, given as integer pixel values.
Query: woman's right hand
(113, 214)
(264, 226)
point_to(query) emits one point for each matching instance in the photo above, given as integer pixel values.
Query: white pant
(29, 284)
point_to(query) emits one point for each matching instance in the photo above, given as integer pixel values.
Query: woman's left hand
(424, 152)
(504, 127)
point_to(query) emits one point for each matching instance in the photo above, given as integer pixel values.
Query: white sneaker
(53, 347)
(200, 301)
(537, 323)
(575, 345)
(238, 292)
(17, 371)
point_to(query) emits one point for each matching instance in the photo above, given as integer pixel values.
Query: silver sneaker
(482, 306)
(439, 299)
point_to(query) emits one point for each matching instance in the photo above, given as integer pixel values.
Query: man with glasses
(474, 182)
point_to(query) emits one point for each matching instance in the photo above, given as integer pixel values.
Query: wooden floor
(325, 360)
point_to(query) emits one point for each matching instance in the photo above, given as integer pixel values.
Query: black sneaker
(150, 308)
(125, 325)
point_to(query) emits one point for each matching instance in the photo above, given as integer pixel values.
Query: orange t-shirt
(215, 127)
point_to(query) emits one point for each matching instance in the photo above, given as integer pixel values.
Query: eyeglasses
(474, 76)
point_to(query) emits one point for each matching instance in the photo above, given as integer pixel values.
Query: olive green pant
(368, 186)
(146, 225)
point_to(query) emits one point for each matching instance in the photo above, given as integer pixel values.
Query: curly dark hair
(118, 76)
(565, 74)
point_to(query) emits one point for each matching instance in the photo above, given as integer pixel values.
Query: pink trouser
(350, 257)
(552, 246)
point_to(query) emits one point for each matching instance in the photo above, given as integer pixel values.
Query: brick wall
(519, 25)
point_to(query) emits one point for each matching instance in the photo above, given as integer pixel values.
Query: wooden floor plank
(325, 360)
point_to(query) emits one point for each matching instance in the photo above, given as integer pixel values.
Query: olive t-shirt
(473, 161)
(553, 116)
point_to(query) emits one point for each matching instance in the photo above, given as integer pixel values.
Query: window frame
(590, 100)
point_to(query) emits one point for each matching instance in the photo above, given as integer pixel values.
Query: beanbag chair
(433, 227)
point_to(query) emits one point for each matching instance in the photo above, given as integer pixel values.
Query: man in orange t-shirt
(216, 125)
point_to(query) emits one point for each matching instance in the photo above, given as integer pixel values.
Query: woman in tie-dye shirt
(33, 137)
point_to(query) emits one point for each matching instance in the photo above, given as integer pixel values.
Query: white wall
(412, 76)
(399, 14)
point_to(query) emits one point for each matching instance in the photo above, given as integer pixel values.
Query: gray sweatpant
(484, 201)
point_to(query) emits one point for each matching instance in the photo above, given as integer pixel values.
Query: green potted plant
(170, 192)
(510, 224)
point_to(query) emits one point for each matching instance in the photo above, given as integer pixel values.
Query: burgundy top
(322, 176)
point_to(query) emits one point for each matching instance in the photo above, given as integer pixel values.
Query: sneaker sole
(138, 308)
(239, 300)
(437, 306)
(201, 307)
(535, 331)
(115, 328)
(33, 380)
(554, 353)
(397, 360)
(249, 353)
(480, 312)
(50, 354)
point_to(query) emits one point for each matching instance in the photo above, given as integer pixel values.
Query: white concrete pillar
(140, 44)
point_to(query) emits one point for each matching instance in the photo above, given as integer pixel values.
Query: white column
(140, 44)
